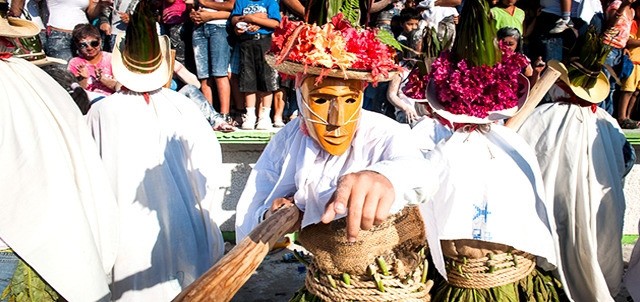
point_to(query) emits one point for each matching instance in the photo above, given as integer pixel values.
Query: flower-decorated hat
(141, 58)
(19, 38)
(479, 81)
(335, 49)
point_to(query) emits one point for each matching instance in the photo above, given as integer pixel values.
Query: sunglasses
(93, 43)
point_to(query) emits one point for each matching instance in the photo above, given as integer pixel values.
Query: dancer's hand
(366, 197)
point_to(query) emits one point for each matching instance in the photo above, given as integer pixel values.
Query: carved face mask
(331, 111)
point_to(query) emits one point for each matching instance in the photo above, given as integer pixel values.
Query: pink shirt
(93, 84)
(619, 34)
(174, 14)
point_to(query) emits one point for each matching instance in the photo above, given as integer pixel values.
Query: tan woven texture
(478, 264)
(292, 68)
(399, 237)
(365, 288)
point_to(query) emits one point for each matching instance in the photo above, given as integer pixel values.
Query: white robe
(163, 160)
(580, 155)
(58, 211)
(490, 189)
(293, 164)
(632, 277)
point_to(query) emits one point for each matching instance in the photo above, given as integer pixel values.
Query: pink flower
(477, 90)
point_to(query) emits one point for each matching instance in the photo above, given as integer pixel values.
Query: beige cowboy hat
(28, 48)
(440, 109)
(11, 27)
(138, 73)
(595, 94)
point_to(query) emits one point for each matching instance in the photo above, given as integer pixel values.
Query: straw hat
(595, 94)
(137, 76)
(28, 48)
(438, 108)
(11, 27)
(140, 58)
(20, 38)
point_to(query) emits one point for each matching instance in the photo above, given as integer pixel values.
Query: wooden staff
(547, 79)
(222, 281)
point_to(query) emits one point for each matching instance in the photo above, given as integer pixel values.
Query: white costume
(632, 278)
(293, 164)
(164, 161)
(58, 211)
(581, 158)
(490, 189)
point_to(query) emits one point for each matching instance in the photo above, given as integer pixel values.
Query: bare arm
(16, 8)
(95, 8)
(259, 19)
(449, 3)
(295, 6)
(225, 6)
(379, 5)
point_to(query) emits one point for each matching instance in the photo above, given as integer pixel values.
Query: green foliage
(387, 38)
(591, 52)
(27, 286)
(476, 35)
(351, 11)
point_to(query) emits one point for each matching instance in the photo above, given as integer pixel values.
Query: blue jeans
(194, 94)
(59, 44)
(8, 264)
(613, 59)
(211, 50)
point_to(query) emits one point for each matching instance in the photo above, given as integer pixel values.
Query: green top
(504, 19)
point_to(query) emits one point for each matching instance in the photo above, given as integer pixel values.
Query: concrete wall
(238, 159)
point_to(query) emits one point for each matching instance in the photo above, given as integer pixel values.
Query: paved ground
(277, 280)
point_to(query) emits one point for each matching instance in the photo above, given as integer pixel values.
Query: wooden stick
(222, 281)
(547, 79)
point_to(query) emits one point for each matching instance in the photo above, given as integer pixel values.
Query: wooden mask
(331, 111)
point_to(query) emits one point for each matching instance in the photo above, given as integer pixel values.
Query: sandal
(629, 124)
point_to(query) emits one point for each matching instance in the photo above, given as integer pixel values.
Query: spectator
(507, 14)
(174, 14)
(212, 51)
(63, 17)
(254, 21)
(629, 89)
(69, 82)
(92, 66)
(114, 20)
(555, 46)
(511, 37)
(564, 22)
(619, 16)
(442, 16)
(405, 107)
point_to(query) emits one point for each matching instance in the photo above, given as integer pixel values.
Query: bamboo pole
(547, 79)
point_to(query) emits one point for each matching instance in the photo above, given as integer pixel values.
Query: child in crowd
(409, 20)
(564, 22)
(212, 51)
(507, 14)
(92, 66)
(254, 21)
(512, 38)
(629, 89)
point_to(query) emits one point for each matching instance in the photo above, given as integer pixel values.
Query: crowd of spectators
(223, 42)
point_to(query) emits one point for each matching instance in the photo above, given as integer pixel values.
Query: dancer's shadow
(168, 207)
